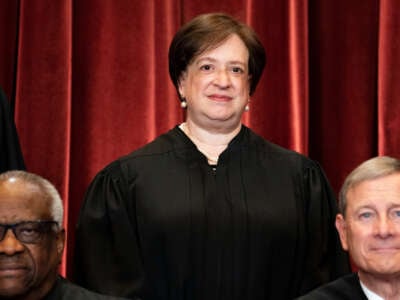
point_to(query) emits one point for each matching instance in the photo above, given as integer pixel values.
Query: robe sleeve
(10, 151)
(107, 255)
(325, 259)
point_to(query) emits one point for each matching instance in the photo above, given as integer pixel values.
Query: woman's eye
(237, 70)
(206, 67)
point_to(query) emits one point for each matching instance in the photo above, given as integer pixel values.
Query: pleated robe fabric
(10, 151)
(66, 290)
(345, 288)
(161, 223)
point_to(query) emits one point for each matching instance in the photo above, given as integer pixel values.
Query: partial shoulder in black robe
(65, 290)
(345, 288)
(10, 151)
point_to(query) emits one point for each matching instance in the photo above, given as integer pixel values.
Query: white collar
(370, 294)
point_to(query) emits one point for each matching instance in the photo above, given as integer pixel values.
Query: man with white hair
(369, 229)
(32, 241)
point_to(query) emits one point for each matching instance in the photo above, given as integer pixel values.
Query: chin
(388, 269)
(12, 291)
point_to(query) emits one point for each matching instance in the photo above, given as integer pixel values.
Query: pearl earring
(183, 103)
(247, 107)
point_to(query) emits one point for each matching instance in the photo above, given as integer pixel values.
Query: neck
(41, 291)
(210, 143)
(388, 287)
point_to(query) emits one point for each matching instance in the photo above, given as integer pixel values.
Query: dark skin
(27, 271)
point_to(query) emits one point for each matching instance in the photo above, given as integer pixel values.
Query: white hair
(47, 189)
(373, 168)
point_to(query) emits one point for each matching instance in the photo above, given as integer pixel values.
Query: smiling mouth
(386, 249)
(220, 98)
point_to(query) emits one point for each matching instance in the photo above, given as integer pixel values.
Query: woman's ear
(181, 85)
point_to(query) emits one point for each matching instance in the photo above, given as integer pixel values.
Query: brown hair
(207, 31)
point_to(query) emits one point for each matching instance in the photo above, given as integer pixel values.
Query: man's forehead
(382, 190)
(20, 200)
(17, 186)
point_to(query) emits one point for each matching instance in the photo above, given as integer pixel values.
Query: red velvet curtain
(89, 81)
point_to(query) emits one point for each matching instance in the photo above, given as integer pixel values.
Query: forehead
(21, 201)
(231, 49)
(379, 192)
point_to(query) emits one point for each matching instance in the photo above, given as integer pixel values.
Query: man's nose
(384, 227)
(10, 245)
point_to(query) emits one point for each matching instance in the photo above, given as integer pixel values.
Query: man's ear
(341, 227)
(60, 242)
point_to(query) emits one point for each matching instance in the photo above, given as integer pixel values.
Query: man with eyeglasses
(32, 241)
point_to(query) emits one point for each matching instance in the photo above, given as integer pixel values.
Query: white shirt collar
(370, 294)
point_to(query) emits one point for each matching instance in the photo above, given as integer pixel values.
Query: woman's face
(216, 85)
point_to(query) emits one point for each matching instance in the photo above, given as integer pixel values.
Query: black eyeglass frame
(44, 226)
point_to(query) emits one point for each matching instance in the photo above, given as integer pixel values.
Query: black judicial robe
(10, 151)
(65, 290)
(161, 223)
(345, 288)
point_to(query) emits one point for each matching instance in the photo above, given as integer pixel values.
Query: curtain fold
(43, 91)
(389, 78)
(298, 74)
(343, 84)
(90, 81)
(9, 16)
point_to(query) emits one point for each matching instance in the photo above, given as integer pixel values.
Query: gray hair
(47, 189)
(373, 168)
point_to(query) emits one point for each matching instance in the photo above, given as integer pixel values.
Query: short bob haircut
(371, 169)
(208, 31)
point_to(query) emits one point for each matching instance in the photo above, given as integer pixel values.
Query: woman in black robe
(210, 210)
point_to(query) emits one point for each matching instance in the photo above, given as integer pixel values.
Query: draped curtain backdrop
(88, 81)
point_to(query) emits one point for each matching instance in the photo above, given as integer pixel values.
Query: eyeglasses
(29, 232)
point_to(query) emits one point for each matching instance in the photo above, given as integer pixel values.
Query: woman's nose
(222, 78)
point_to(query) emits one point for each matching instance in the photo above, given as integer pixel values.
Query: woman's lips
(220, 98)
